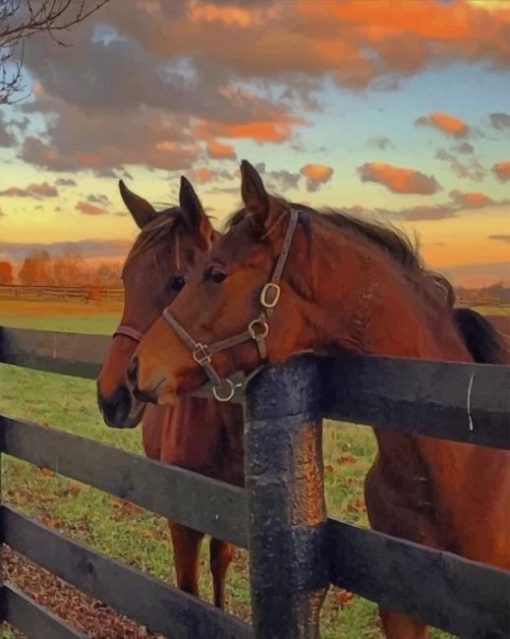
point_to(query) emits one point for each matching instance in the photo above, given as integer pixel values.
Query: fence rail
(431, 398)
(147, 600)
(295, 552)
(46, 292)
(196, 501)
(460, 596)
(22, 612)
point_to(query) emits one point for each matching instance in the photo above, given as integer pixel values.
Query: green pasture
(135, 536)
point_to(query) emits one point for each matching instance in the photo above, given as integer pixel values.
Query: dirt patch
(90, 616)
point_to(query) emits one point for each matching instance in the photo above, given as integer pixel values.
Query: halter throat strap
(257, 330)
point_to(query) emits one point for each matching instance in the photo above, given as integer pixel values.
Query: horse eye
(177, 283)
(215, 274)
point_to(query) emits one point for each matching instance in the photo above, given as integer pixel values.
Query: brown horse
(346, 285)
(197, 434)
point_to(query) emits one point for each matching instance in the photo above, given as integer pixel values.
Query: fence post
(289, 571)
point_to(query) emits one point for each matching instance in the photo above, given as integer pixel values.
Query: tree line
(39, 268)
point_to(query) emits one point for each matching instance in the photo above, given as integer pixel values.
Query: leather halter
(133, 333)
(128, 331)
(258, 328)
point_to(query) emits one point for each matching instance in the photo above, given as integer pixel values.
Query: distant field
(500, 310)
(75, 317)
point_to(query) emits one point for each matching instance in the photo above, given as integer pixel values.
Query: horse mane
(481, 338)
(485, 343)
(386, 237)
(161, 227)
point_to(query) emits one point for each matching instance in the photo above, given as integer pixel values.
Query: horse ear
(253, 192)
(140, 209)
(193, 212)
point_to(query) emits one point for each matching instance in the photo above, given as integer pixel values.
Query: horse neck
(373, 306)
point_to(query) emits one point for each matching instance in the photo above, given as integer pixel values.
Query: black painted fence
(295, 551)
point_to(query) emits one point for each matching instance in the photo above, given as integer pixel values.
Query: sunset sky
(397, 109)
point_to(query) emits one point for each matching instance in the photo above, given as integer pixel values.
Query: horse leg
(221, 553)
(399, 626)
(186, 543)
(401, 510)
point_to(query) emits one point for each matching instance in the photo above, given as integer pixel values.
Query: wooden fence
(89, 292)
(62, 293)
(295, 551)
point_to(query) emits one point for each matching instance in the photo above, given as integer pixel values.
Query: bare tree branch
(22, 19)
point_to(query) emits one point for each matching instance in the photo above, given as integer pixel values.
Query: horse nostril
(132, 370)
(116, 408)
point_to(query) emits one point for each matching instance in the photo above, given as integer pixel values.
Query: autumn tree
(6, 272)
(69, 270)
(36, 269)
(108, 275)
(497, 291)
(22, 19)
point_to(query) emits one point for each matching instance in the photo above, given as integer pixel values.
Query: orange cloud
(398, 179)
(316, 174)
(472, 200)
(90, 209)
(218, 150)
(277, 131)
(166, 145)
(502, 171)
(333, 36)
(203, 174)
(36, 191)
(446, 123)
(229, 15)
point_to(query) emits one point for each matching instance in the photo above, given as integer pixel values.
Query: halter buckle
(258, 329)
(270, 295)
(201, 354)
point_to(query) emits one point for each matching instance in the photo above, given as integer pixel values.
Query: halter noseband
(258, 328)
(128, 331)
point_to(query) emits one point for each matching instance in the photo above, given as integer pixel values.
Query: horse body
(196, 434)
(201, 435)
(353, 286)
(437, 492)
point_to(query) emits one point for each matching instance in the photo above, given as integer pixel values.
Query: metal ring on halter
(276, 290)
(262, 324)
(231, 390)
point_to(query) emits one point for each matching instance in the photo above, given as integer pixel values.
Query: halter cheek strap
(133, 333)
(257, 330)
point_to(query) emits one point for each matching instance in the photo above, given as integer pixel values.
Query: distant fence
(87, 293)
(63, 293)
(482, 301)
(295, 551)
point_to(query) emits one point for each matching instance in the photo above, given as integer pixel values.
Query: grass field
(126, 532)
(76, 317)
